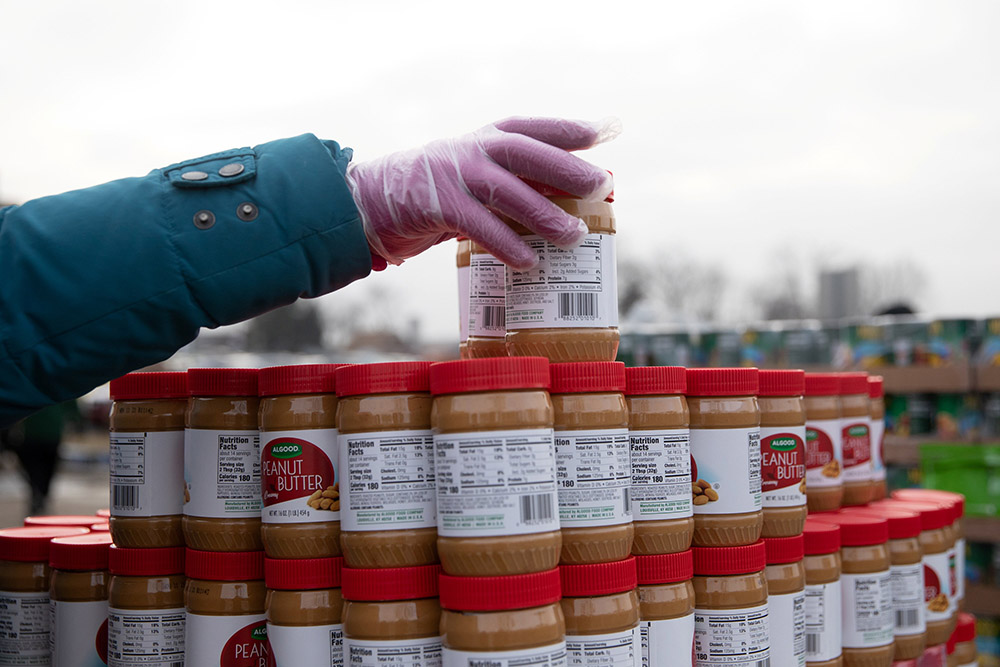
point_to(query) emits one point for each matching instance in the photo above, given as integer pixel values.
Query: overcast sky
(838, 132)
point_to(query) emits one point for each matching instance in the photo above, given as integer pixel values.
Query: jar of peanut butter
(303, 612)
(299, 461)
(957, 503)
(725, 456)
(867, 620)
(730, 617)
(502, 621)
(226, 601)
(487, 320)
(962, 644)
(786, 599)
(60, 521)
(593, 468)
(78, 600)
(146, 616)
(659, 439)
(462, 261)
(495, 466)
(601, 607)
(859, 485)
(823, 599)
(876, 414)
(824, 447)
(222, 461)
(387, 456)
(24, 592)
(392, 617)
(147, 459)
(783, 451)
(666, 607)
(566, 308)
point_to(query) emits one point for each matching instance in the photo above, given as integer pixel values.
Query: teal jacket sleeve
(98, 282)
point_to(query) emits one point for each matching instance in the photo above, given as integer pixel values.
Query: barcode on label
(812, 644)
(493, 317)
(907, 618)
(124, 496)
(766, 662)
(176, 664)
(628, 500)
(537, 508)
(578, 305)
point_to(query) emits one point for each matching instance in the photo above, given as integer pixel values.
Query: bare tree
(897, 282)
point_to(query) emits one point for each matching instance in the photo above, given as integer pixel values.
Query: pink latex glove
(412, 200)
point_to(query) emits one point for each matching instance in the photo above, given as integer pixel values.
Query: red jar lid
(31, 544)
(902, 523)
(957, 500)
(721, 561)
(853, 383)
(394, 377)
(519, 591)
(303, 379)
(655, 380)
(782, 383)
(106, 513)
(587, 376)
(664, 568)
(65, 520)
(784, 549)
(222, 381)
(100, 527)
(820, 537)
(933, 516)
(158, 562)
(822, 384)
(965, 629)
(224, 565)
(81, 552)
(304, 574)
(722, 382)
(580, 581)
(146, 386)
(491, 374)
(876, 386)
(857, 530)
(396, 583)
(549, 191)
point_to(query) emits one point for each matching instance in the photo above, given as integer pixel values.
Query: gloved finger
(570, 135)
(492, 234)
(547, 164)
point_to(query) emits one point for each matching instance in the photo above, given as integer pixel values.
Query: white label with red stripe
(226, 641)
(856, 448)
(783, 465)
(78, 633)
(824, 453)
(300, 476)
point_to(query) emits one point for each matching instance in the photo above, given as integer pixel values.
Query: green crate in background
(972, 470)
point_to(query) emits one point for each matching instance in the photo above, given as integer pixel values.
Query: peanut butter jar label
(937, 587)
(877, 431)
(389, 483)
(567, 289)
(226, 641)
(908, 599)
(664, 641)
(867, 620)
(222, 473)
(24, 628)
(418, 652)
(487, 318)
(823, 621)
(306, 645)
(594, 476)
(661, 474)
(787, 621)
(856, 443)
(824, 455)
(146, 637)
(783, 466)
(959, 591)
(553, 655)
(733, 637)
(299, 479)
(614, 648)
(463, 303)
(147, 473)
(725, 470)
(492, 483)
(78, 634)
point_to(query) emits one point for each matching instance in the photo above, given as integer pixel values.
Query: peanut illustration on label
(187, 493)
(831, 469)
(325, 499)
(938, 603)
(802, 486)
(702, 493)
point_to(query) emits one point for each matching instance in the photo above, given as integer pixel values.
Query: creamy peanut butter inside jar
(666, 607)
(78, 599)
(304, 607)
(301, 478)
(147, 459)
(462, 262)
(222, 461)
(495, 466)
(855, 427)
(783, 451)
(786, 599)
(487, 325)
(502, 621)
(601, 607)
(659, 439)
(876, 415)
(388, 506)
(823, 600)
(593, 467)
(824, 443)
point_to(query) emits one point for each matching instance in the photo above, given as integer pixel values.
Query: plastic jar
(462, 260)
(146, 617)
(226, 600)
(299, 461)
(786, 600)
(486, 318)
(392, 616)
(876, 414)
(725, 453)
(147, 459)
(303, 612)
(593, 468)
(389, 513)
(824, 453)
(957, 503)
(962, 644)
(783, 452)
(24, 592)
(666, 606)
(659, 439)
(566, 307)
(855, 429)
(222, 461)
(601, 608)
(495, 466)
(78, 597)
(730, 616)
(823, 600)
(502, 621)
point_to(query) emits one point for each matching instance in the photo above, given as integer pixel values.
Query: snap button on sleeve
(194, 176)
(247, 211)
(231, 169)
(204, 219)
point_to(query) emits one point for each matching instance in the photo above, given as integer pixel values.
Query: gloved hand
(414, 199)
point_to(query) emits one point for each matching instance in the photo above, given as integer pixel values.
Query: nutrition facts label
(486, 296)
(420, 652)
(132, 456)
(908, 598)
(618, 649)
(222, 471)
(594, 476)
(24, 628)
(543, 656)
(867, 609)
(661, 474)
(822, 622)
(733, 637)
(153, 637)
